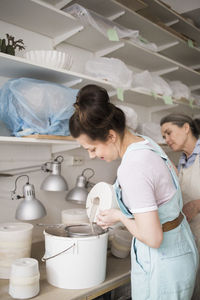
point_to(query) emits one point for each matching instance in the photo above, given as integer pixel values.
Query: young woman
(164, 256)
(181, 133)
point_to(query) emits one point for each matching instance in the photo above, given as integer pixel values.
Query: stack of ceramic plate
(50, 58)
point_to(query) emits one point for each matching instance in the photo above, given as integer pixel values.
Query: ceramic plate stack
(50, 58)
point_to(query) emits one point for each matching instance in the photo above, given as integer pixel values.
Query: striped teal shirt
(185, 162)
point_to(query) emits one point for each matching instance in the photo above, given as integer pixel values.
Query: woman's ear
(187, 127)
(112, 136)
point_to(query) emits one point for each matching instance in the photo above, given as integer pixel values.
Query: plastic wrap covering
(153, 131)
(179, 90)
(148, 82)
(144, 43)
(100, 23)
(131, 116)
(29, 106)
(111, 69)
(196, 99)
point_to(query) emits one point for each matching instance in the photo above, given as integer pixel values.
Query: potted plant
(9, 45)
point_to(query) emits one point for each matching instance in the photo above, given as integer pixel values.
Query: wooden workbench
(117, 274)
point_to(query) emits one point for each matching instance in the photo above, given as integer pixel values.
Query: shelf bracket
(63, 37)
(62, 4)
(167, 46)
(109, 50)
(165, 71)
(195, 87)
(74, 82)
(116, 16)
(172, 22)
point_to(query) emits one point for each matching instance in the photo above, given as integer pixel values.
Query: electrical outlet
(77, 160)
(74, 160)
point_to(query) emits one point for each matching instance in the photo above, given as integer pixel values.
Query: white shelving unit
(168, 44)
(45, 19)
(39, 17)
(13, 66)
(170, 17)
(174, 53)
(55, 145)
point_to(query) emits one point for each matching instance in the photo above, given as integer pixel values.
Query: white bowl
(50, 58)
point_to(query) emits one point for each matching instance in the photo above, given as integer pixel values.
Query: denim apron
(166, 273)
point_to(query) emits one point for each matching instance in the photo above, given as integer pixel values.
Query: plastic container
(74, 216)
(15, 242)
(121, 243)
(24, 278)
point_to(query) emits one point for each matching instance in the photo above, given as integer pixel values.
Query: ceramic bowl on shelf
(50, 58)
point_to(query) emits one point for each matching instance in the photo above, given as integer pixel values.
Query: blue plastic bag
(30, 106)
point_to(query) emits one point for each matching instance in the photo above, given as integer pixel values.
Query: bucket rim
(82, 238)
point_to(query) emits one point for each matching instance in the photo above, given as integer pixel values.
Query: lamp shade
(55, 182)
(79, 193)
(30, 208)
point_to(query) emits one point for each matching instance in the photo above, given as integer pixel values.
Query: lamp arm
(22, 168)
(13, 193)
(28, 169)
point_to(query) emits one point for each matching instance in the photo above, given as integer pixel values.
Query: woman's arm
(191, 209)
(145, 227)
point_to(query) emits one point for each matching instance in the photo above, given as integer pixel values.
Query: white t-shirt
(145, 180)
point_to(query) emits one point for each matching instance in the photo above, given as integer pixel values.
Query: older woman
(181, 133)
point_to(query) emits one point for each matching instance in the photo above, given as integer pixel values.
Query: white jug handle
(46, 258)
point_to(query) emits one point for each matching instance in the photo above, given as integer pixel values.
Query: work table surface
(117, 274)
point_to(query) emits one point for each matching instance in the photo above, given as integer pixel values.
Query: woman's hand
(191, 209)
(108, 217)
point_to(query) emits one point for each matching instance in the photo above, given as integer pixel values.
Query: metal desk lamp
(79, 193)
(30, 208)
(55, 182)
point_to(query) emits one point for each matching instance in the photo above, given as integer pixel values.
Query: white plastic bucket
(121, 243)
(81, 262)
(24, 278)
(15, 242)
(74, 216)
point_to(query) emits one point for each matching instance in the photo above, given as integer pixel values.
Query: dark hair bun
(95, 115)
